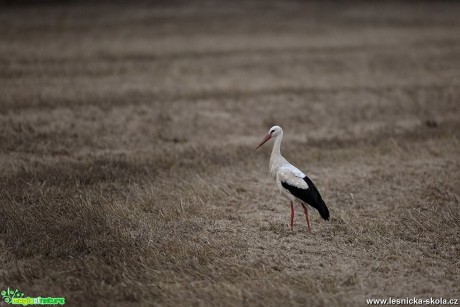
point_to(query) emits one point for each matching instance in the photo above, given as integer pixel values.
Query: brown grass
(128, 175)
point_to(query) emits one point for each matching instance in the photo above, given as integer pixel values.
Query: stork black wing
(311, 196)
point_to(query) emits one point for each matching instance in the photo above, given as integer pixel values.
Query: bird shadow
(283, 229)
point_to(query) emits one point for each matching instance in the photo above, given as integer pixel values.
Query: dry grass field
(127, 162)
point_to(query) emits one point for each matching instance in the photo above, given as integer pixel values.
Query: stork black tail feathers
(310, 196)
(315, 200)
(323, 210)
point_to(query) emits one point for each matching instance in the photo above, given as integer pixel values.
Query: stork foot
(305, 209)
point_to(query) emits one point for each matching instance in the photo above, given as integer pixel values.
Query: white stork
(292, 183)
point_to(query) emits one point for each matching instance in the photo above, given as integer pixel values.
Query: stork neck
(277, 146)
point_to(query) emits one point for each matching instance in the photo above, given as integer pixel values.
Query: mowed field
(128, 174)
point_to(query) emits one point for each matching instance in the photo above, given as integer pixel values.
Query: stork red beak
(266, 138)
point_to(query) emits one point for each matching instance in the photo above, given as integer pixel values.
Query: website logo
(16, 297)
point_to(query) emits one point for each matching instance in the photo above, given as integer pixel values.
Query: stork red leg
(306, 216)
(292, 214)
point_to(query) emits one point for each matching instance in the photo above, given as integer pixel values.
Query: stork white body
(282, 170)
(292, 183)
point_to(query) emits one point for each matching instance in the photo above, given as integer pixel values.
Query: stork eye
(272, 131)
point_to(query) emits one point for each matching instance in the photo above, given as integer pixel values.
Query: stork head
(272, 133)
